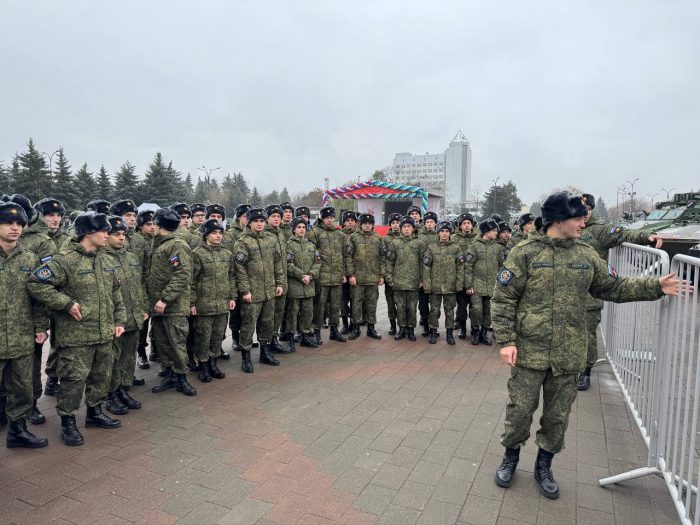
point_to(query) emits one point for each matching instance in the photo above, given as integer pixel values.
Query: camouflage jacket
(169, 275)
(213, 280)
(86, 278)
(278, 235)
(602, 236)
(138, 245)
(365, 256)
(302, 259)
(130, 274)
(45, 244)
(330, 244)
(21, 317)
(147, 242)
(286, 228)
(517, 237)
(427, 237)
(192, 239)
(463, 240)
(404, 258)
(442, 271)
(259, 265)
(481, 266)
(232, 235)
(538, 296)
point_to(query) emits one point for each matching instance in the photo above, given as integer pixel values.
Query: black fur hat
(302, 210)
(255, 213)
(197, 206)
(144, 217)
(287, 206)
(348, 215)
(24, 202)
(272, 209)
(496, 217)
(328, 211)
(181, 209)
(99, 206)
(394, 217)
(430, 215)
(117, 224)
(407, 220)
(90, 222)
(366, 218)
(167, 219)
(209, 226)
(504, 226)
(465, 217)
(589, 200)
(13, 212)
(487, 226)
(445, 225)
(297, 221)
(241, 209)
(50, 205)
(562, 206)
(525, 218)
(414, 208)
(215, 208)
(123, 206)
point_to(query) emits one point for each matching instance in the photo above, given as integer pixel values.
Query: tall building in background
(447, 173)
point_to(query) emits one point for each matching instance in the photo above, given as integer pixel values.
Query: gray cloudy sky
(551, 93)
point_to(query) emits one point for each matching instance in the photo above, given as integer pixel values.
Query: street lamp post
(652, 198)
(668, 192)
(207, 173)
(43, 153)
(620, 189)
(495, 189)
(631, 183)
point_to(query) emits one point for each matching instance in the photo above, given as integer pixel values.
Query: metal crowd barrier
(654, 350)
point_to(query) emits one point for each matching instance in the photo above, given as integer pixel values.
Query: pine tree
(104, 185)
(86, 186)
(189, 188)
(200, 191)
(535, 209)
(34, 180)
(126, 183)
(272, 198)
(284, 195)
(6, 182)
(506, 201)
(255, 198)
(601, 209)
(64, 183)
(162, 183)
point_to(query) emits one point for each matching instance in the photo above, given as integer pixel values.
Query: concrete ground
(358, 433)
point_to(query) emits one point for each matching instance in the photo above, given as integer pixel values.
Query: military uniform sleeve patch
(349, 250)
(241, 257)
(46, 259)
(317, 255)
(461, 259)
(290, 257)
(43, 273)
(469, 258)
(174, 261)
(505, 276)
(427, 261)
(617, 229)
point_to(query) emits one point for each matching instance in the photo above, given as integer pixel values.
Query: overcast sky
(590, 93)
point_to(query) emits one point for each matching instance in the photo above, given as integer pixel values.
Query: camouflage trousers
(16, 378)
(169, 333)
(300, 313)
(280, 303)
(124, 349)
(83, 367)
(480, 310)
(326, 295)
(364, 303)
(462, 312)
(209, 333)
(256, 317)
(406, 302)
(390, 304)
(448, 303)
(559, 393)
(592, 322)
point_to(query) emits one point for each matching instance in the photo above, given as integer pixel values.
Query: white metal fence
(654, 350)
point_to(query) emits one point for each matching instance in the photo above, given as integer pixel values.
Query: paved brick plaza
(358, 433)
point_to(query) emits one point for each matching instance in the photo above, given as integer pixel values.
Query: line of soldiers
(181, 273)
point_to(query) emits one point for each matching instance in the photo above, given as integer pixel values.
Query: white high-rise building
(449, 173)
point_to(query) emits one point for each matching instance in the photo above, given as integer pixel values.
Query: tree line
(37, 175)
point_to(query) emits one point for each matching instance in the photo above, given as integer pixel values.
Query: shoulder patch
(617, 229)
(290, 256)
(174, 261)
(349, 249)
(469, 258)
(611, 271)
(461, 259)
(43, 273)
(427, 260)
(317, 255)
(46, 259)
(505, 276)
(241, 257)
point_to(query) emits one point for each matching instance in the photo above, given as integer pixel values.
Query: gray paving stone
(479, 511)
(452, 490)
(391, 476)
(414, 495)
(374, 499)
(396, 515)
(439, 513)
(427, 473)
(247, 512)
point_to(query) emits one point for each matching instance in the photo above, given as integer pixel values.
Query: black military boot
(544, 476)
(95, 418)
(138, 381)
(306, 340)
(35, 416)
(191, 363)
(475, 335)
(317, 337)
(449, 337)
(371, 332)
(433, 336)
(70, 435)
(505, 472)
(392, 326)
(204, 375)
(462, 329)
(484, 336)
(584, 380)
(235, 341)
(354, 331)
(246, 363)
(52, 386)
(214, 370)
(166, 383)
(410, 333)
(335, 336)
(163, 370)
(183, 386)
(154, 355)
(345, 328)
(126, 399)
(224, 355)
(275, 346)
(426, 328)
(19, 437)
(291, 346)
(3, 418)
(402, 333)
(266, 356)
(284, 337)
(142, 358)
(115, 405)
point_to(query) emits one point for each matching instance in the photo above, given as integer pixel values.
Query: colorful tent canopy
(376, 189)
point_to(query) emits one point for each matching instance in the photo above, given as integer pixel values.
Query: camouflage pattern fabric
(232, 235)
(326, 297)
(124, 353)
(592, 321)
(169, 276)
(213, 280)
(442, 268)
(365, 257)
(406, 303)
(16, 378)
(302, 259)
(481, 266)
(448, 302)
(81, 368)
(209, 332)
(192, 239)
(256, 317)
(137, 244)
(403, 264)
(300, 312)
(330, 244)
(364, 303)
(463, 240)
(259, 265)
(480, 310)
(169, 333)
(129, 272)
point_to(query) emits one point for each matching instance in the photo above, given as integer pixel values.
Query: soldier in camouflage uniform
(505, 231)
(168, 292)
(330, 244)
(214, 294)
(303, 266)
(127, 210)
(365, 255)
(481, 266)
(442, 273)
(404, 257)
(348, 220)
(22, 325)
(463, 238)
(415, 213)
(81, 288)
(542, 332)
(98, 206)
(526, 225)
(601, 236)
(427, 235)
(199, 215)
(287, 217)
(129, 271)
(304, 213)
(259, 273)
(391, 235)
(146, 231)
(230, 237)
(272, 228)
